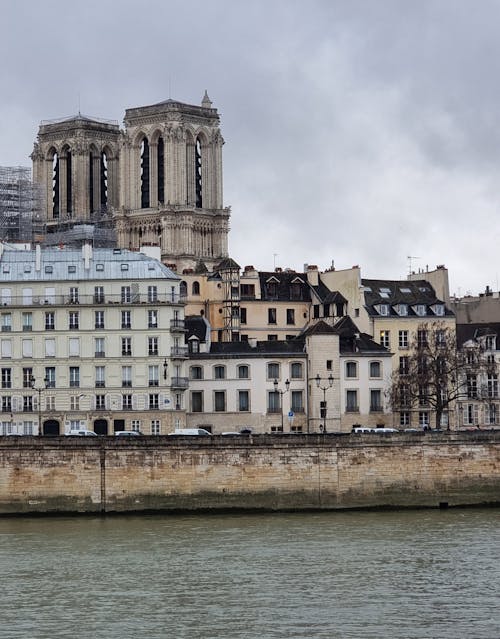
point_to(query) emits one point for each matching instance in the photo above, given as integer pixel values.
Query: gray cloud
(356, 131)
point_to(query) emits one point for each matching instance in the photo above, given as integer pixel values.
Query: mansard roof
(283, 281)
(472, 332)
(353, 341)
(396, 292)
(269, 349)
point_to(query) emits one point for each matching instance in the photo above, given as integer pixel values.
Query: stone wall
(260, 472)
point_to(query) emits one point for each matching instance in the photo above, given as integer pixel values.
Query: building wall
(275, 473)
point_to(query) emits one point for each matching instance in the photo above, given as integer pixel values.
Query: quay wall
(293, 472)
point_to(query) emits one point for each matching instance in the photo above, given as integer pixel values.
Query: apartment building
(90, 338)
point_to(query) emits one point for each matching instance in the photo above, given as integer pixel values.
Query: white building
(90, 338)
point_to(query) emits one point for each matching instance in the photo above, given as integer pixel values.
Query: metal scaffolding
(20, 202)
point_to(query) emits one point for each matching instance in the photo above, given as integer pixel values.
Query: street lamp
(39, 391)
(165, 368)
(324, 388)
(281, 393)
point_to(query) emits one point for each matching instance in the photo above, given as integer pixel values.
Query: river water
(408, 574)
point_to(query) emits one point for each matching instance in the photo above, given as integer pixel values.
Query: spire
(206, 102)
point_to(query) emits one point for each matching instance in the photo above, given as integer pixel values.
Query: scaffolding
(20, 205)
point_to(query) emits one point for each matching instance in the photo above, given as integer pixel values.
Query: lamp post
(165, 368)
(324, 388)
(281, 393)
(39, 391)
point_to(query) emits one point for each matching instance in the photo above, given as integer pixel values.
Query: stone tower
(160, 178)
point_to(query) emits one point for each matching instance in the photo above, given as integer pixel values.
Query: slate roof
(394, 292)
(196, 326)
(350, 338)
(326, 296)
(58, 264)
(466, 332)
(284, 281)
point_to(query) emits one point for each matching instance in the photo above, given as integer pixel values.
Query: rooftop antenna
(275, 255)
(410, 258)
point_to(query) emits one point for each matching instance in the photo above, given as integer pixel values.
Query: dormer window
(402, 310)
(439, 309)
(491, 343)
(420, 310)
(383, 309)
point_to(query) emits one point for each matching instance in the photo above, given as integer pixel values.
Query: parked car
(190, 431)
(81, 432)
(127, 433)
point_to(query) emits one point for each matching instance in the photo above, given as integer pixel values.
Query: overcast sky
(357, 131)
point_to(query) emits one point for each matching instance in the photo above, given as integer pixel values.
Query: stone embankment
(296, 472)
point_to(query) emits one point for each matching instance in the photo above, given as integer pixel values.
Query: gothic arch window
(196, 288)
(160, 156)
(183, 289)
(56, 207)
(198, 174)
(66, 155)
(145, 203)
(104, 181)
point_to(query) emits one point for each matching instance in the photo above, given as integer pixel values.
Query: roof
(289, 348)
(467, 332)
(395, 292)
(196, 326)
(57, 264)
(283, 282)
(325, 295)
(353, 341)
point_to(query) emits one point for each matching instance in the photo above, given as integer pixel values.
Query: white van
(190, 431)
(81, 432)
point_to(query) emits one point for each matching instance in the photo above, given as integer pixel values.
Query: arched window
(145, 174)
(198, 174)
(104, 182)
(183, 289)
(375, 369)
(195, 288)
(243, 372)
(160, 156)
(296, 370)
(196, 372)
(219, 372)
(56, 209)
(351, 369)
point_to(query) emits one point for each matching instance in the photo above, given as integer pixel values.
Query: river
(381, 575)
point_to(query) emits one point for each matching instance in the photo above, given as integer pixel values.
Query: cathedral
(156, 182)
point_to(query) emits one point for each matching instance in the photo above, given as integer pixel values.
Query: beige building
(90, 338)
(158, 180)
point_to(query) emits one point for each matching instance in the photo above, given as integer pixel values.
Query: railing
(91, 300)
(179, 351)
(177, 324)
(179, 382)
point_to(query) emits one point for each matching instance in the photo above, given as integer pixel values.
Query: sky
(357, 132)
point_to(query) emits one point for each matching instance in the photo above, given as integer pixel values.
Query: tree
(435, 373)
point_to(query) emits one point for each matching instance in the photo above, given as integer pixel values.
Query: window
(74, 402)
(6, 378)
(152, 346)
(471, 386)
(297, 401)
(490, 414)
(272, 338)
(247, 290)
(290, 316)
(50, 377)
(127, 402)
(196, 372)
(99, 294)
(273, 371)
(126, 376)
(403, 339)
(153, 375)
(439, 310)
(153, 401)
(243, 372)
(100, 350)
(27, 377)
(74, 346)
(422, 338)
(271, 289)
(404, 418)
(375, 401)
(74, 376)
(100, 402)
(136, 425)
(155, 427)
(273, 402)
(243, 315)
(295, 291)
(440, 338)
(197, 401)
(126, 346)
(6, 404)
(384, 309)
(375, 369)
(100, 379)
(152, 294)
(152, 319)
(351, 369)
(491, 343)
(126, 295)
(219, 401)
(219, 372)
(492, 385)
(50, 347)
(423, 419)
(27, 347)
(195, 288)
(351, 401)
(423, 399)
(243, 401)
(421, 310)
(27, 321)
(329, 364)
(99, 319)
(471, 414)
(271, 316)
(126, 321)
(6, 322)
(404, 365)
(73, 295)
(402, 310)
(50, 321)
(385, 340)
(74, 320)
(316, 311)
(296, 370)
(28, 404)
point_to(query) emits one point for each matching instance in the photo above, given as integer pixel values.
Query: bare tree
(435, 373)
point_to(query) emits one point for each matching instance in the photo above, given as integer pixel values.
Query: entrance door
(51, 428)
(101, 426)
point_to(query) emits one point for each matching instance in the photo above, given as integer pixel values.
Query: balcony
(179, 352)
(179, 382)
(177, 325)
